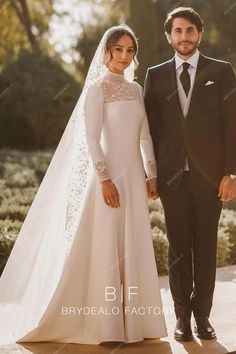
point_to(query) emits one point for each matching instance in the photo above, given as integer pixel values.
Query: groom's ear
(168, 37)
(200, 37)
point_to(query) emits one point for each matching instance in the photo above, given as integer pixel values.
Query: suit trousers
(192, 222)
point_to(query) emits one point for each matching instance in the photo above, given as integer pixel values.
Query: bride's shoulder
(137, 86)
(93, 93)
(94, 88)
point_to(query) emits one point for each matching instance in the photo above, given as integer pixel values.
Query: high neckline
(115, 76)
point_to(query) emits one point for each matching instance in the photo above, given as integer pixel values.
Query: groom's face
(184, 37)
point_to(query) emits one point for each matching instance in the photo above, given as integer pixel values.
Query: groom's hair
(187, 13)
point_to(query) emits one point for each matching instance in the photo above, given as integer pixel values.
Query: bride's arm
(93, 110)
(147, 150)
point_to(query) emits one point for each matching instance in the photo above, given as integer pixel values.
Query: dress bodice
(117, 126)
(116, 88)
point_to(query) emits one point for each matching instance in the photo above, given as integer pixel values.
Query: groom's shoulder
(160, 67)
(216, 63)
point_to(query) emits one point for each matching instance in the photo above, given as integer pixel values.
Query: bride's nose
(124, 54)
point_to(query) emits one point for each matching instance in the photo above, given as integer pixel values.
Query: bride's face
(121, 55)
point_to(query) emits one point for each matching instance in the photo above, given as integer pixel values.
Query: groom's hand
(148, 186)
(152, 189)
(227, 189)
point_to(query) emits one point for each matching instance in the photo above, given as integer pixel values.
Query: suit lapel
(173, 96)
(197, 87)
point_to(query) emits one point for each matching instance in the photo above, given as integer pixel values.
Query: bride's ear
(107, 57)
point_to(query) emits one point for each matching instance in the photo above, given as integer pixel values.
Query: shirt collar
(193, 60)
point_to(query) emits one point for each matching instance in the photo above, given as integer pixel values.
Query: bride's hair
(116, 33)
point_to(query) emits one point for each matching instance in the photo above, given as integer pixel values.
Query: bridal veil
(43, 244)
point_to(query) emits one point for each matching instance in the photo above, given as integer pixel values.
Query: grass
(21, 173)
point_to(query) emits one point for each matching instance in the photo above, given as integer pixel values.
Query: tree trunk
(22, 11)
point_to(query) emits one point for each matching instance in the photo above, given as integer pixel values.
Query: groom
(191, 107)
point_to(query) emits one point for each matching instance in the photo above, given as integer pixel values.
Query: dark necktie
(185, 78)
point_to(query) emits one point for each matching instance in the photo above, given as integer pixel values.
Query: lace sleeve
(147, 145)
(93, 111)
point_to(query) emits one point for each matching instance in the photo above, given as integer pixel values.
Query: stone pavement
(223, 318)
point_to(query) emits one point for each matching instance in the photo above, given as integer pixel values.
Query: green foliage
(8, 233)
(20, 176)
(37, 104)
(218, 40)
(223, 247)
(13, 24)
(106, 14)
(160, 244)
(228, 224)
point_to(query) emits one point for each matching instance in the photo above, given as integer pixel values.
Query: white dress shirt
(193, 61)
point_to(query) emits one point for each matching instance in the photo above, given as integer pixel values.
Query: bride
(82, 269)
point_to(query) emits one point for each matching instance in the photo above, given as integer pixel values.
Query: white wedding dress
(109, 289)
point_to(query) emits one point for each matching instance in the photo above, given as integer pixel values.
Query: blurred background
(45, 50)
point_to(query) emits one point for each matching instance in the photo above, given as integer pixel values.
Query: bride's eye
(131, 50)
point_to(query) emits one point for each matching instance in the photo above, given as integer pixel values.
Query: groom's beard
(188, 50)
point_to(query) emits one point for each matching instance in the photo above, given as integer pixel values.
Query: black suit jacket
(207, 136)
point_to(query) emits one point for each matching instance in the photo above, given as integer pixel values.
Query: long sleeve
(93, 110)
(146, 145)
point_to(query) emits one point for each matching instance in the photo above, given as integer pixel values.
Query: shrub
(228, 223)
(160, 244)
(39, 100)
(223, 248)
(9, 230)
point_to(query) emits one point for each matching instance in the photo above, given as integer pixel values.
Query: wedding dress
(107, 289)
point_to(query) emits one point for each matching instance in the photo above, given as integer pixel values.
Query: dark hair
(183, 12)
(117, 33)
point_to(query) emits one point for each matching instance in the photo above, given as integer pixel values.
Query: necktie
(185, 78)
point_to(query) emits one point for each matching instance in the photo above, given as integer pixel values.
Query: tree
(218, 41)
(37, 99)
(22, 12)
(106, 14)
(23, 24)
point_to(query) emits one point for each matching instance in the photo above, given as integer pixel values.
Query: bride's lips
(123, 62)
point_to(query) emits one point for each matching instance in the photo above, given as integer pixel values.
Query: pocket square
(209, 83)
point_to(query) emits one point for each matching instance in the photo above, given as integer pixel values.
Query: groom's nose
(184, 36)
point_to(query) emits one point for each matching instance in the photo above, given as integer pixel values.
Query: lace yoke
(116, 88)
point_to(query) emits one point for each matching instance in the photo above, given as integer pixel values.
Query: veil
(41, 250)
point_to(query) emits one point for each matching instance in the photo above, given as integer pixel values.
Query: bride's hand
(153, 194)
(110, 194)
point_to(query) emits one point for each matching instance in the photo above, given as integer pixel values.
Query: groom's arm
(227, 188)
(228, 113)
